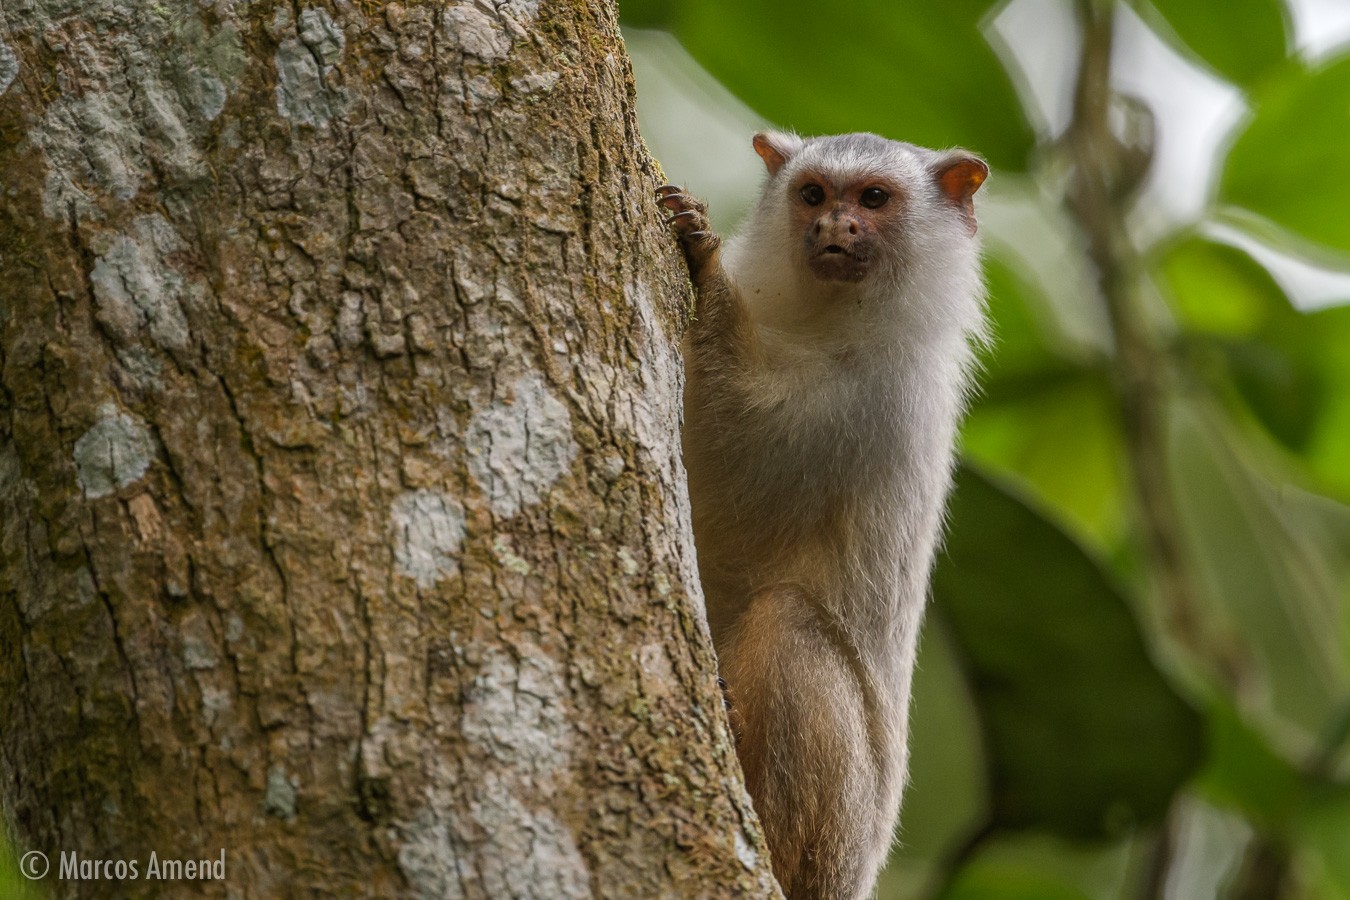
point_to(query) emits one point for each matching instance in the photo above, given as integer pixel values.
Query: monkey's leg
(814, 771)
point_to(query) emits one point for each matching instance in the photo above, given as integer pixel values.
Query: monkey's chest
(793, 463)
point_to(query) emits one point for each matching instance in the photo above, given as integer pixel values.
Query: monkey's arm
(721, 337)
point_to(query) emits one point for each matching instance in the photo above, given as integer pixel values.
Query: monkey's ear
(776, 148)
(959, 176)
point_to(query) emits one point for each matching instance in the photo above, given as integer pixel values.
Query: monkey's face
(845, 226)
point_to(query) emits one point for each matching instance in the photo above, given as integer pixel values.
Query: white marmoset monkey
(828, 364)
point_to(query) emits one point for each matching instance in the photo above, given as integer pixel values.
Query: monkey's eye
(874, 198)
(813, 194)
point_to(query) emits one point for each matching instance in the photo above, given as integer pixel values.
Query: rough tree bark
(342, 524)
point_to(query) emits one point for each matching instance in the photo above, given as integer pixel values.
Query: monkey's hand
(689, 221)
(720, 333)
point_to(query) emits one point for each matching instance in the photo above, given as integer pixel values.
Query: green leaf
(13, 886)
(943, 715)
(1059, 435)
(1021, 352)
(1317, 343)
(1218, 289)
(1033, 866)
(982, 881)
(1242, 39)
(1260, 355)
(1242, 772)
(1290, 164)
(1034, 383)
(646, 13)
(1229, 304)
(1326, 832)
(1084, 737)
(1283, 389)
(918, 72)
(1270, 561)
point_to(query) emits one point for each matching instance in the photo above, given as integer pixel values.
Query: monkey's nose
(837, 224)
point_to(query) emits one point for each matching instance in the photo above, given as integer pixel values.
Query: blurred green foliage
(890, 64)
(13, 886)
(1056, 665)
(1288, 164)
(1241, 39)
(1078, 733)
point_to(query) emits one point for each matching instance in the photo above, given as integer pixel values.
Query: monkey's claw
(689, 220)
(688, 212)
(726, 694)
(734, 717)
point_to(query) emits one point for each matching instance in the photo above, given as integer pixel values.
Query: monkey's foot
(689, 221)
(729, 707)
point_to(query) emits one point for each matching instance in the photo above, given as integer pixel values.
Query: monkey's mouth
(834, 262)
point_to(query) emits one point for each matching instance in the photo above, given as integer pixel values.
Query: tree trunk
(342, 522)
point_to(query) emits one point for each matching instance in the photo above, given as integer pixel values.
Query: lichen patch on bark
(126, 117)
(280, 797)
(506, 834)
(501, 846)
(428, 531)
(745, 852)
(476, 33)
(519, 444)
(514, 712)
(91, 141)
(307, 65)
(116, 451)
(212, 93)
(9, 66)
(136, 286)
